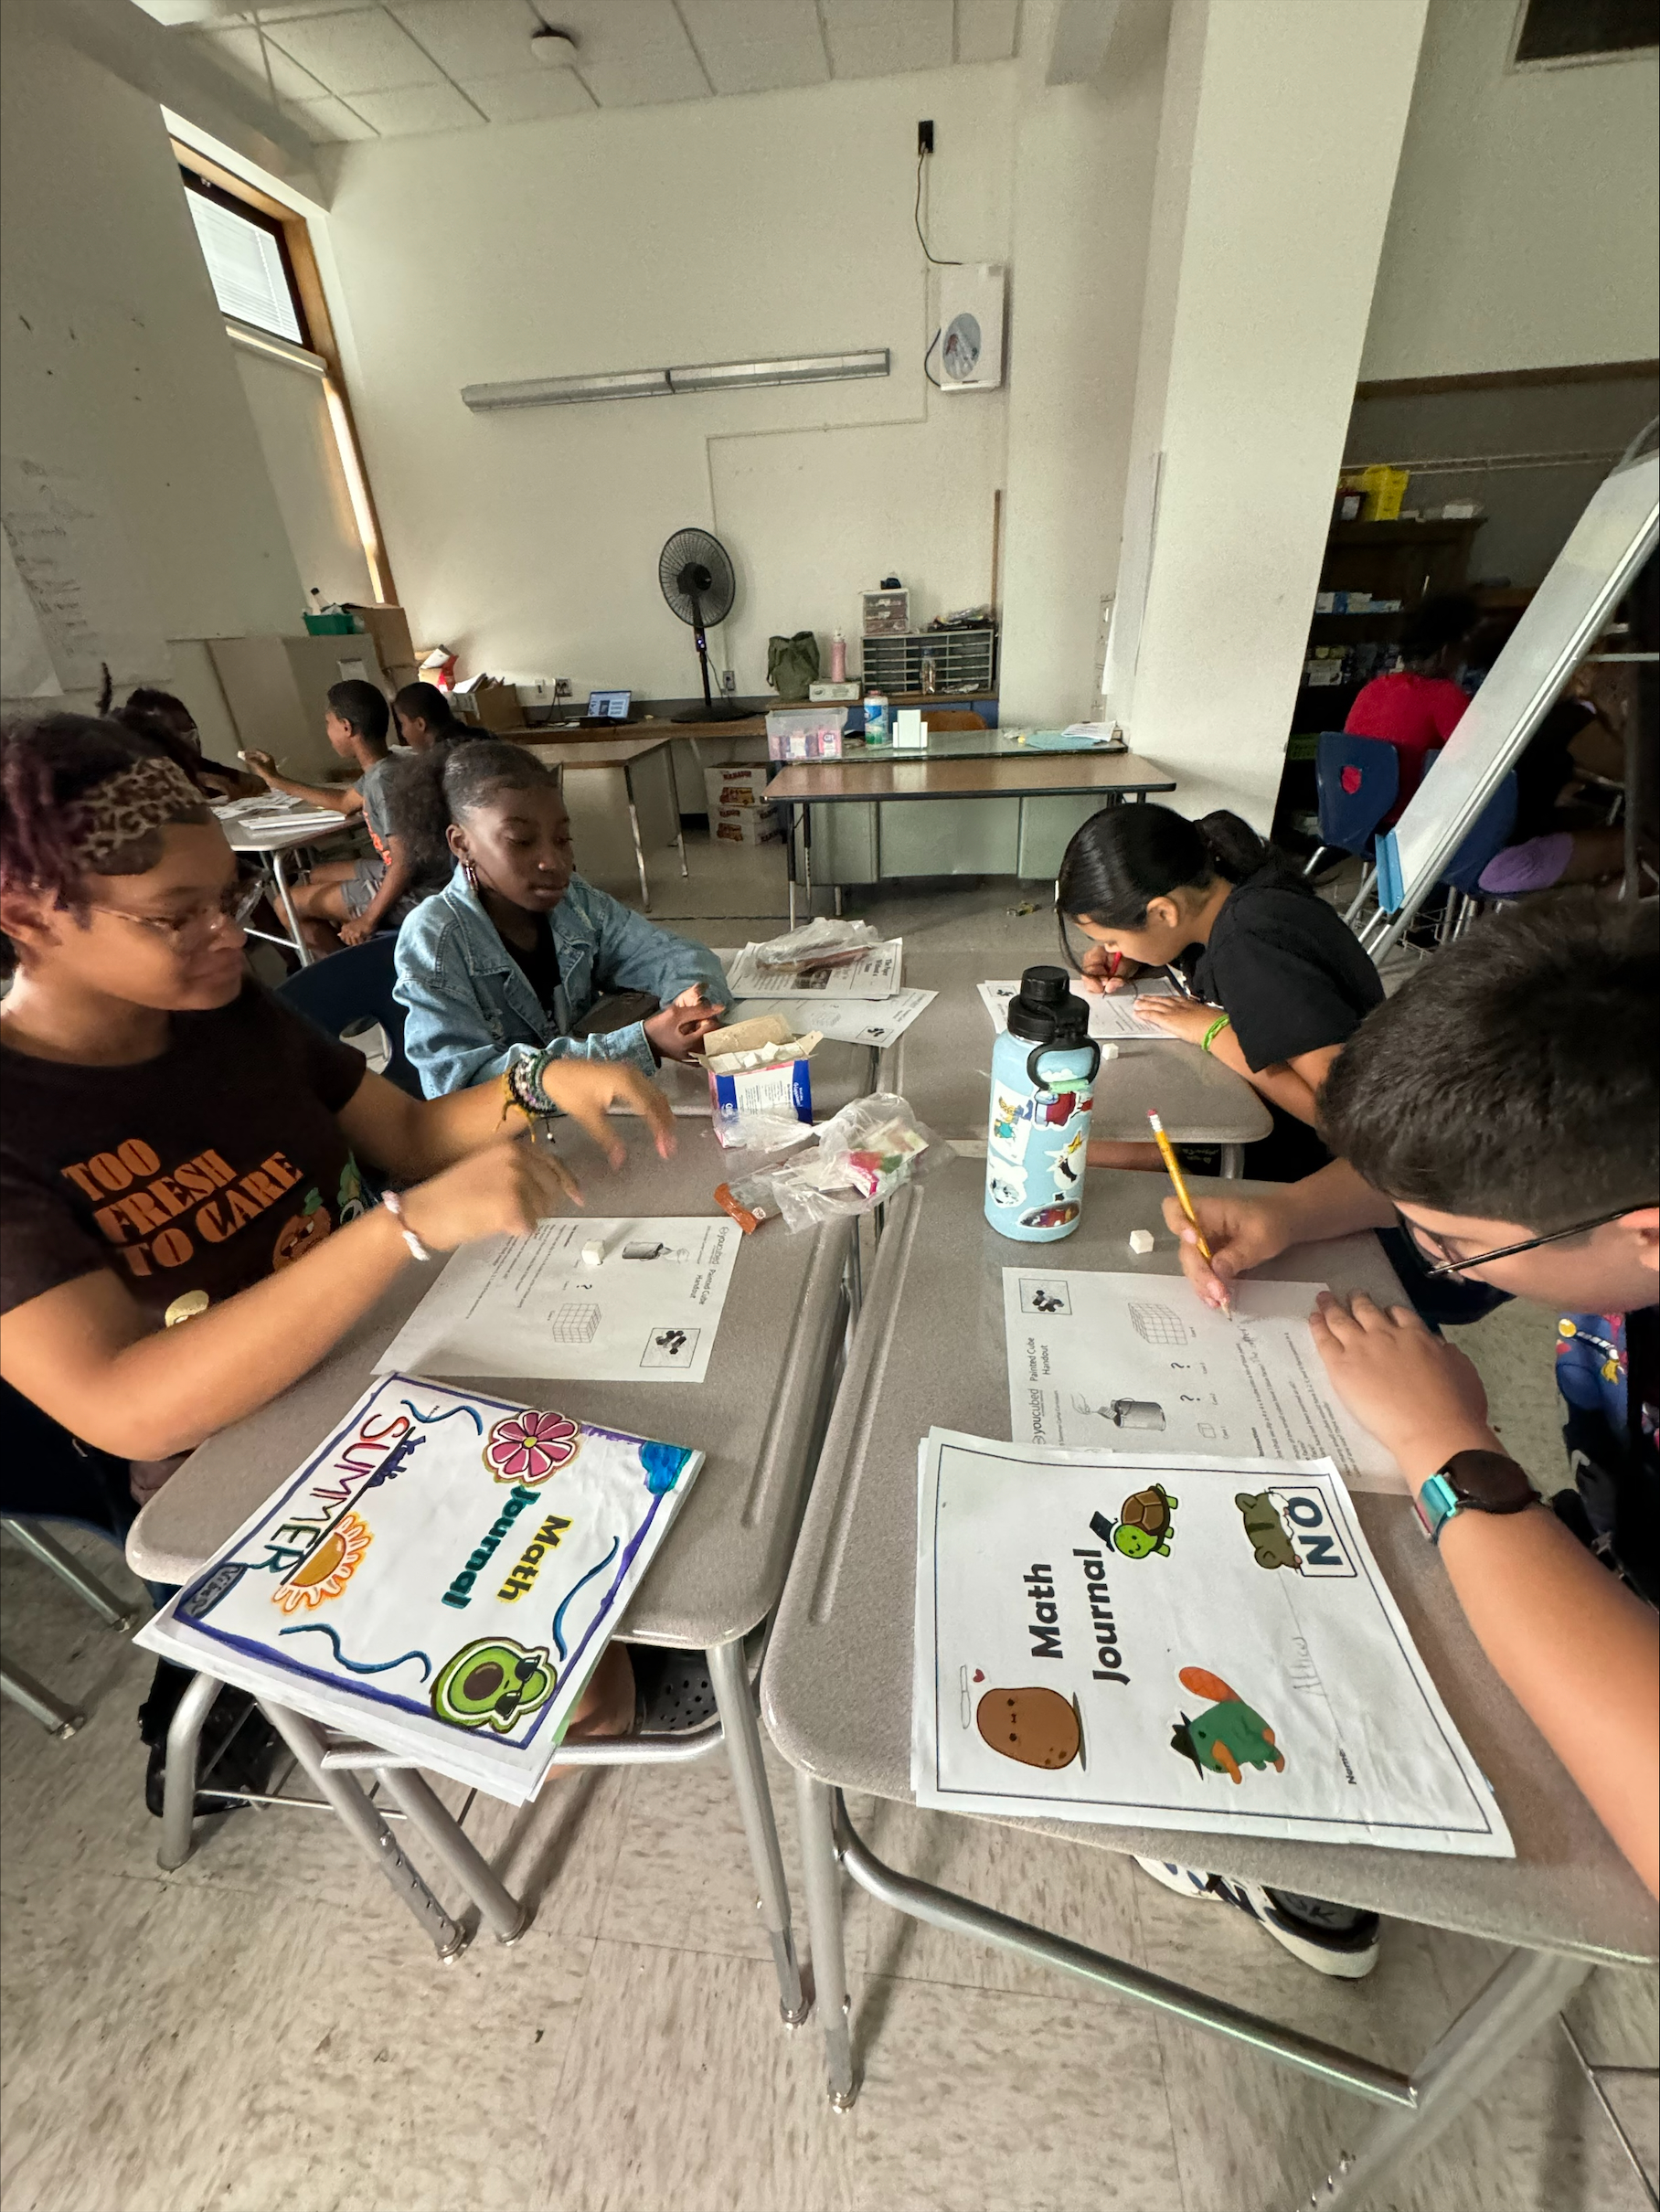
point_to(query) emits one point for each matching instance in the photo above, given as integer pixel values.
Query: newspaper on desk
(439, 1577)
(872, 973)
(1112, 1016)
(1167, 1639)
(1096, 1359)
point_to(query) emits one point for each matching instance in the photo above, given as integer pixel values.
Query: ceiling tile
(757, 46)
(531, 95)
(415, 109)
(985, 29)
(328, 123)
(631, 53)
(361, 52)
(244, 55)
(883, 38)
(473, 38)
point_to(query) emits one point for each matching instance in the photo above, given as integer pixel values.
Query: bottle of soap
(838, 659)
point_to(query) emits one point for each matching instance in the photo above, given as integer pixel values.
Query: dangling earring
(469, 877)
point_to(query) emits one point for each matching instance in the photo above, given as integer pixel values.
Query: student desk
(836, 1693)
(758, 1417)
(571, 756)
(941, 1064)
(309, 826)
(1015, 840)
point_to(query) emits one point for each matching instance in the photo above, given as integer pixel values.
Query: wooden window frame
(293, 239)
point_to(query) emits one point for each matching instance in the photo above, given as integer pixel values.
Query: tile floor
(262, 2031)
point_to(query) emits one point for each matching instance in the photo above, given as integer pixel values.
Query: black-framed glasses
(1431, 1246)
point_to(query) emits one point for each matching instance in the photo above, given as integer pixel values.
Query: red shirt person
(1418, 707)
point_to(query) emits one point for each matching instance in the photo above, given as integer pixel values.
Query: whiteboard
(26, 663)
(1590, 576)
(77, 569)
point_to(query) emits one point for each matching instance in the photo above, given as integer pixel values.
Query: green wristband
(1215, 1030)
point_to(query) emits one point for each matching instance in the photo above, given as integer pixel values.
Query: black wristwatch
(1479, 1481)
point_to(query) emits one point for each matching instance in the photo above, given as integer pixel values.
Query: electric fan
(695, 572)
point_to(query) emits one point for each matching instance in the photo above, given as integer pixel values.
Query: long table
(836, 1697)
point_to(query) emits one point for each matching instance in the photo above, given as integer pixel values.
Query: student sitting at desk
(1504, 1106)
(510, 958)
(1276, 982)
(342, 902)
(172, 722)
(425, 718)
(1417, 706)
(180, 1148)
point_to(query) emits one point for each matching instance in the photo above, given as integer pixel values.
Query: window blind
(245, 267)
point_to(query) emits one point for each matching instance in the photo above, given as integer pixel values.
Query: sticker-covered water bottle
(1043, 1088)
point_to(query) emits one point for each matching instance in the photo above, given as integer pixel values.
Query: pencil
(1173, 1168)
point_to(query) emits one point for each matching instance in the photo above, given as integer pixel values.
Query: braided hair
(427, 791)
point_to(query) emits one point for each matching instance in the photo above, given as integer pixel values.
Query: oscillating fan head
(696, 573)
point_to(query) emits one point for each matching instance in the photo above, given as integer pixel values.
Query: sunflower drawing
(326, 1570)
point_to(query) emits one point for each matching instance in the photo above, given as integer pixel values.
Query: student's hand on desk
(677, 1030)
(1189, 1018)
(587, 1090)
(1422, 1399)
(504, 1189)
(1242, 1233)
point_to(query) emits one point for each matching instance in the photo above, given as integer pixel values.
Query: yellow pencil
(1173, 1168)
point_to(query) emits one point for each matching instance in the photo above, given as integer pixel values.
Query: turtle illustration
(1144, 1523)
(1266, 1531)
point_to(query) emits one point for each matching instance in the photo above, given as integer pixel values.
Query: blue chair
(1357, 780)
(352, 985)
(1489, 836)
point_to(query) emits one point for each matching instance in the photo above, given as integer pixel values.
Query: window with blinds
(246, 265)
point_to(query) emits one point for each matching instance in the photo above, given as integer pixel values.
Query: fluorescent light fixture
(659, 383)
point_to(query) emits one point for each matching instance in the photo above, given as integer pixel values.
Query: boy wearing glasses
(1503, 1108)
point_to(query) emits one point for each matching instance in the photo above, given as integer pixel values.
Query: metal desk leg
(790, 861)
(306, 956)
(506, 1916)
(69, 1569)
(736, 1700)
(178, 1780)
(1233, 1162)
(304, 1739)
(824, 1880)
(1527, 1991)
(633, 823)
(56, 1717)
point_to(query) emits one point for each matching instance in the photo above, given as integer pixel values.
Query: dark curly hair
(48, 764)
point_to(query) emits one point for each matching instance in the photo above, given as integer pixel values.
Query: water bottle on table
(1043, 1087)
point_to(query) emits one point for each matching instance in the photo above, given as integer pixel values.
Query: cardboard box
(736, 784)
(494, 704)
(745, 826)
(389, 628)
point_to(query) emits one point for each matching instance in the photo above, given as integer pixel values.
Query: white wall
(527, 541)
(291, 418)
(1523, 232)
(115, 363)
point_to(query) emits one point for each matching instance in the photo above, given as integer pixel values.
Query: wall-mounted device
(971, 326)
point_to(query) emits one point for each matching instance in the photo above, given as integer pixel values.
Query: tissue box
(785, 1088)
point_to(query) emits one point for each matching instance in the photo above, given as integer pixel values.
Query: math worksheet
(647, 1312)
(441, 1575)
(873, 973)
(850, 1021)
(1167, 1639)
(1128, 1361)
(1113, 1016)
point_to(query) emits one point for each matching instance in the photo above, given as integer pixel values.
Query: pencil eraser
(1108, 1051)
(1141, 1240)
(593, 1252)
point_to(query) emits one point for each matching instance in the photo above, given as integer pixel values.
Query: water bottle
(1037, 1140)
(877, 730)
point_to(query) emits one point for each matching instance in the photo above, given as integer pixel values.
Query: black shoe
(673, 1691)
(238, 1747)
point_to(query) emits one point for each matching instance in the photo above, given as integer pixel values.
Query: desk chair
(1461, 875)
(351, 987)
(1357, 780)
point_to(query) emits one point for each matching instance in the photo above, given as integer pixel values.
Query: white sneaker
(1335, 1939)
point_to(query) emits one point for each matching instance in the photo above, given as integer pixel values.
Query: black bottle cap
(1045, 1012)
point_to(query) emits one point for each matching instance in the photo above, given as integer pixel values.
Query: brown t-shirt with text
(194, 1174)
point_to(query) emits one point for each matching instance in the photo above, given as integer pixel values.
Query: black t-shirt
(1293, 978)
(539, 963)
(193, 1175)
(1546, 765)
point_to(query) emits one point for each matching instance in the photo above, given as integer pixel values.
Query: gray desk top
(941, 1066)
(836, 1689)
(757, 1416)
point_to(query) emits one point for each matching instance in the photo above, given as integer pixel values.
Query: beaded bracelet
(1215, 1030)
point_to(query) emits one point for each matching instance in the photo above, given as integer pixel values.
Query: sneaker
(1333, 1939)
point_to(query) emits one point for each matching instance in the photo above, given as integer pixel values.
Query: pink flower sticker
(528, 1447)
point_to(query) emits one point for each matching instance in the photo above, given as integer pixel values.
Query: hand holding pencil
(1222, 1299)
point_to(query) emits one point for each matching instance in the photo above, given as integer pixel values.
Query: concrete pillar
(1278, 141)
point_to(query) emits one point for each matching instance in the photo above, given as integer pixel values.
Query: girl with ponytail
(1274, 983)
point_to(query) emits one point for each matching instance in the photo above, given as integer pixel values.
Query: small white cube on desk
(593, 1252)
(1141, 1240)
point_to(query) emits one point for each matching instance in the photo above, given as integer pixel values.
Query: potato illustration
(1036, 1725)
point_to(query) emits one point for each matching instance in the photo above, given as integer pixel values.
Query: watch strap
(1482, 1482)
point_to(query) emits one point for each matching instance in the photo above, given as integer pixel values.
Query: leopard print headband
(126, 806)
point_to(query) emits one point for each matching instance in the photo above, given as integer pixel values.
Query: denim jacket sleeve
(634, 954)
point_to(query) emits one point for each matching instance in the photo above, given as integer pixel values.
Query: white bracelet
(394, 1206)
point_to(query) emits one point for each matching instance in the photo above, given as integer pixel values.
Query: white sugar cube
(1141, 1240)
(593, 1252)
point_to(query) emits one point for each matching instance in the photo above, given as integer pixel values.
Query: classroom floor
(265, 2031)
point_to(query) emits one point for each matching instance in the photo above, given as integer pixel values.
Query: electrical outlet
(729, 681)
(562, 686)
(924, 138)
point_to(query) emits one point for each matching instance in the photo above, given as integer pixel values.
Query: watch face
(1488, 1481)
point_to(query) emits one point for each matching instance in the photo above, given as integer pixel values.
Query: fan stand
(708, 711)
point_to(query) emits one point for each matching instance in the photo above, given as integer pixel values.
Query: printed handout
(850, 1021)
(1168, 1640)
(1132, 1360)
(528, 1305)
(1112, 1016)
